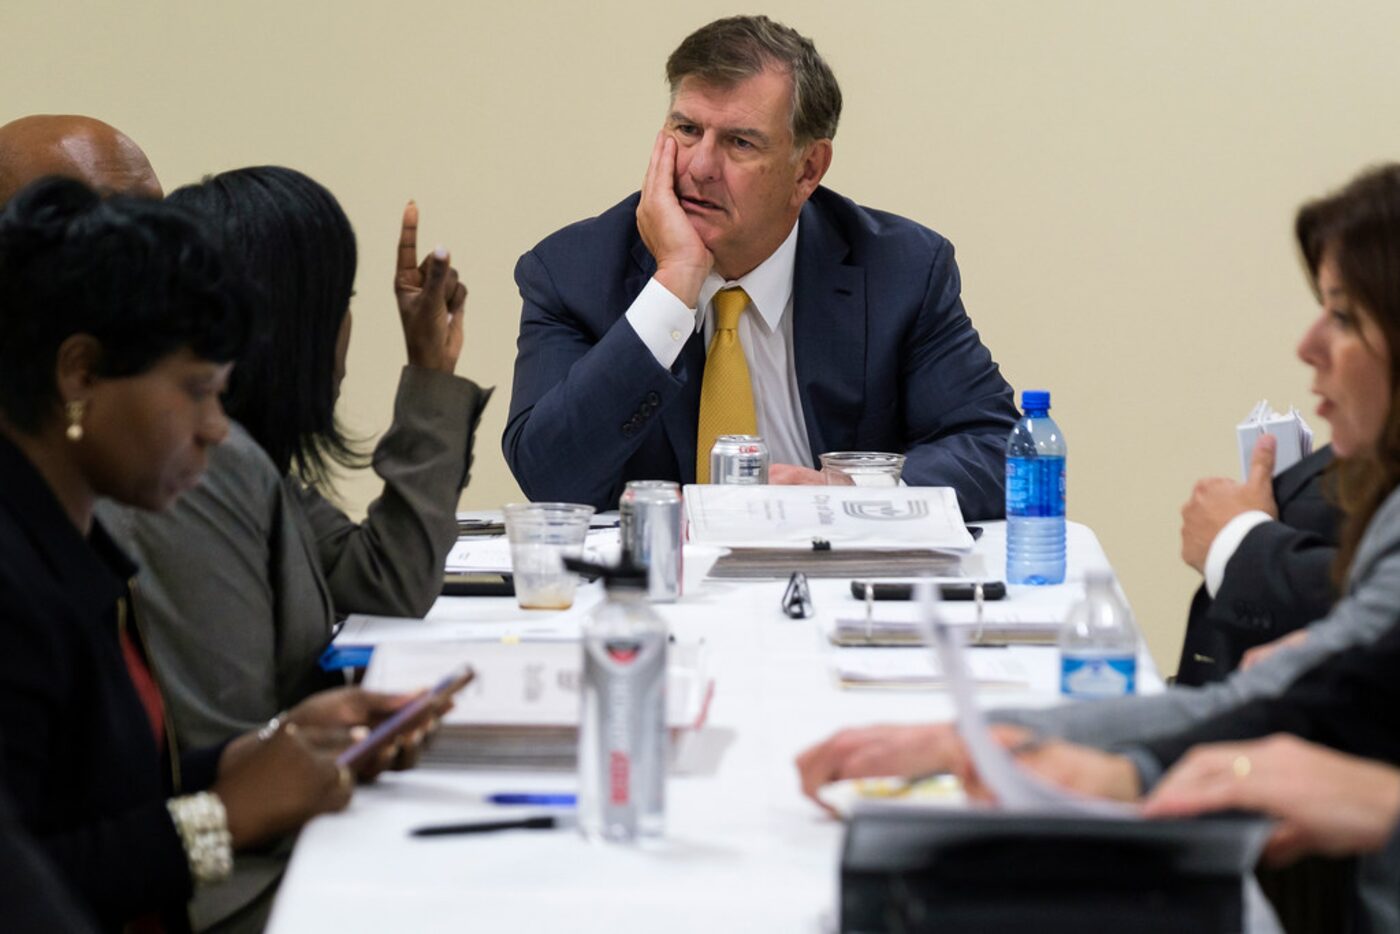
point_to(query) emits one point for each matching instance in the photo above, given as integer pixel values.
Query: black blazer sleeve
(126, 864)
(1277, 581)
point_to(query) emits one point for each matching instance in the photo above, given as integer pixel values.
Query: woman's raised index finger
(408, 240)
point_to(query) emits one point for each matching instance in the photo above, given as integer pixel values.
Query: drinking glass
(541, 535)
(862, 468)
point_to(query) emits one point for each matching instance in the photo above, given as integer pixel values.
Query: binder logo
(885, 511)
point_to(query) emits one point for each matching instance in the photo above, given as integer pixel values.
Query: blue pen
(539, 800)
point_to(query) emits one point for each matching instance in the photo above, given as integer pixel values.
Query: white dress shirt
(664, 324)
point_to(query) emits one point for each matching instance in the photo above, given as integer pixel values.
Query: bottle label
(1097, 676)
(1035, 486)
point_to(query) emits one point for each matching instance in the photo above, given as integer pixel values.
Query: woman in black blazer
(117, 322)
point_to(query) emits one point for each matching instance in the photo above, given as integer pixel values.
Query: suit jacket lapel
(828, 334)
(681, 419)
(1288, 484)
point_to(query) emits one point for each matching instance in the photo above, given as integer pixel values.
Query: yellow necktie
(726, 396)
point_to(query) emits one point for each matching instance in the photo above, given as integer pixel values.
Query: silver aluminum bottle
(652, 523)
(623, 742)
(739, 459)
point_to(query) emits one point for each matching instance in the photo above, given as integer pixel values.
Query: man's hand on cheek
(682, 259)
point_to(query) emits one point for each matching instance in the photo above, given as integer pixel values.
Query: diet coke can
(652, 523)
(741, 459)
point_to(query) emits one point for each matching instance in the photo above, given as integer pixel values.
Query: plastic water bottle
(1098, 643)
(622, 740)
(1035, 495)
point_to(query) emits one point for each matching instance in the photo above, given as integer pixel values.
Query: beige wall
(1119, 179)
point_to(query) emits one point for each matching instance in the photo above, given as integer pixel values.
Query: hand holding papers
(1076, 862)
(1293, 434)
(1014, 788)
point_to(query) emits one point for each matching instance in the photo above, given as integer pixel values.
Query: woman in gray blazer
(1351, 241)
(244, 579)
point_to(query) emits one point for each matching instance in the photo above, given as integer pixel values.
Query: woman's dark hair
(1358, 229)
(295, 246)
(144, 278)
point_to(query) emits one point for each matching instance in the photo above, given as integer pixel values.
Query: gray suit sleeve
(208, 597)
(1359, 618)
(391, 564)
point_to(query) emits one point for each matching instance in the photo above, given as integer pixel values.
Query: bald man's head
(74, 147)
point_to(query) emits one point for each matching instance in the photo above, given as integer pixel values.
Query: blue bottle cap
(1038, 399)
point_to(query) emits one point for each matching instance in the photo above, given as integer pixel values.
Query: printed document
(841, 516)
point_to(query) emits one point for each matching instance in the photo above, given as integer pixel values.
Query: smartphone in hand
(407, 719)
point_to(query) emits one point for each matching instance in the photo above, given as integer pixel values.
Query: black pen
(538, 822)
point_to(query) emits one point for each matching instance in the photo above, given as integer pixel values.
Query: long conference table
(743, 851)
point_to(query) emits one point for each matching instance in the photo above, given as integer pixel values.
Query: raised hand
(431, 300)
(1217, 500)
(682, 259)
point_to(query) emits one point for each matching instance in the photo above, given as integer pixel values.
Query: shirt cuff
(662, 321)
(1226, 541)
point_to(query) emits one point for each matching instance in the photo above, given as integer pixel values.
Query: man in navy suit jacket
(857, 338)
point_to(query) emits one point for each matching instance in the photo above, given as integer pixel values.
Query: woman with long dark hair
(1337, 690)
(246, 576)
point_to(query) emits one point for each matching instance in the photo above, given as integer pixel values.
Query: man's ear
(811, 169)
(76, 367)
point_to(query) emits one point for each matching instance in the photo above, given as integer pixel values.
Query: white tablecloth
(744, 850)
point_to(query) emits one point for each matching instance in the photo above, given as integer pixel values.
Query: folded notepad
(1295, 438)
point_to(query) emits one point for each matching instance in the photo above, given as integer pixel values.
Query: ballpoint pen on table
(797, 599)
(539, 799)
(535, 822)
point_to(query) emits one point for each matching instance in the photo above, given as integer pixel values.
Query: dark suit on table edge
(885, 356)
(1277, 581)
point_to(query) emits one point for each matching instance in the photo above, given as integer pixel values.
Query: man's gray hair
(734, 49)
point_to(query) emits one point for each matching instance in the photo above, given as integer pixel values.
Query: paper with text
(789, 516)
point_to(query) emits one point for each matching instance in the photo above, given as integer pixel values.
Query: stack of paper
(829, 531)
(522, 709)
(1295, 438)
(492, 555)
(843, 516)
(1008, 628)
(902, 669)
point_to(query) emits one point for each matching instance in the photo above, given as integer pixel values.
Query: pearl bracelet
(202, 824)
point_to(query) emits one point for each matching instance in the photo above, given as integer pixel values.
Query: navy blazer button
(653, 399)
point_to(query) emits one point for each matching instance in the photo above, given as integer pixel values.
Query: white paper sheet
(1015, 788)
(483, 619)
(789, 516)
(913, 666)
(492, 555)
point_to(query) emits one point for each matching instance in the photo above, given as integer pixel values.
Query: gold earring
(75, 411)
